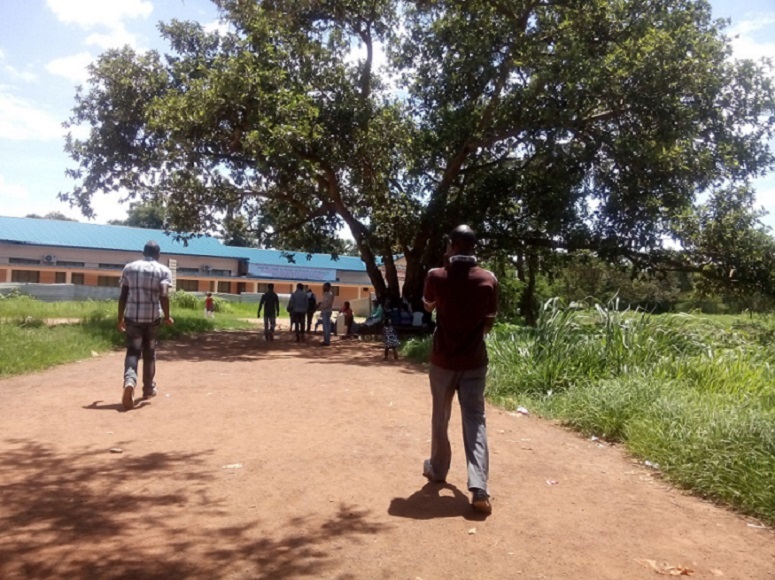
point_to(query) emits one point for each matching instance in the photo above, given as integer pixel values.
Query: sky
(45, 46)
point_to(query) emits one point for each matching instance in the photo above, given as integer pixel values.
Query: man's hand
(121, 326)
(169, 321)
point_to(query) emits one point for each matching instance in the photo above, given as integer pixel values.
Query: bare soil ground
(278, 460)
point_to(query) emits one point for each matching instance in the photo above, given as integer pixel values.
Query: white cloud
(91, 13)
(71, 67)
(21, 121)
(19, 201)
(746, 43)
(14, 73)
(118, 37)
(107, 15)
(216, 26)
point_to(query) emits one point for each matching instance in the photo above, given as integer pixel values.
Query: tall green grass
(692, 394)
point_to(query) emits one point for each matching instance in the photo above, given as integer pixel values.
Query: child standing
(209, 305)
(390, 339)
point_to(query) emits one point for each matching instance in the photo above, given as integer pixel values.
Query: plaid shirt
(147, 281)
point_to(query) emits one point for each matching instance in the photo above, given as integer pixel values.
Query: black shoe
(149, 394)
(480, 501)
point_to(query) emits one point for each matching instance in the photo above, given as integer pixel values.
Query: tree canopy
(564, 124)
(143, 215)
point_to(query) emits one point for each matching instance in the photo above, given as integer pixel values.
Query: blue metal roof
(275, 258)
(64, 234)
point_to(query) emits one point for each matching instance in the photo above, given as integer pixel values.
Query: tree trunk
(528, 302)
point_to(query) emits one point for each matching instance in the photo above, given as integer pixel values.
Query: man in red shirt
(465, 298)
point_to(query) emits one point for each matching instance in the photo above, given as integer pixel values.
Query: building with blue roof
(44, 251)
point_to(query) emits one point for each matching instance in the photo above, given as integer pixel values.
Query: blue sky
(45, 46)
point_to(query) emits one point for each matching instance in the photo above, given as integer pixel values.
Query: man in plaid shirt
(143, 304)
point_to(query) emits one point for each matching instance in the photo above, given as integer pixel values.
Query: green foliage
(577, 125)
(151, 215)
(692, 394)
(52, 215)
(182, 299)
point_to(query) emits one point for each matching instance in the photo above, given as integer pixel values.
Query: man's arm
(165, 308)
(164, 299)
(122, 307)
(428, 296)
(489, 319)
(260, 304)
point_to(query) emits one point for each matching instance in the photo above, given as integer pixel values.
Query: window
(220, 272)
(263, 287)
(77, 279)
(25, 276)
(26, 261)
(224, 287)
(108, 281)
(66, 264)
(60, 277)
(187, 285)
(111, 266)
(190, 271)
(335, 290)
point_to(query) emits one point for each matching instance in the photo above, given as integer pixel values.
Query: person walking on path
(326, 307)
(270, 302)
(143, 304)
(297, 307)
(465, 298)
(312, 306)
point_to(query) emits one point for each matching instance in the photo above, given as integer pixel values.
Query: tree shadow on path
(92, 514)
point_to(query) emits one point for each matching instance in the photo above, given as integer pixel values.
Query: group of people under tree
(464, 296)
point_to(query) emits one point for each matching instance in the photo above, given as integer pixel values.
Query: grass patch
(29, 343)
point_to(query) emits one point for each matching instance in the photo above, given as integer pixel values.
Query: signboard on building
(292, 273)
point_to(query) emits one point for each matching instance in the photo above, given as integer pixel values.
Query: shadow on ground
(235, 346)
(88, 514)
(434, 500)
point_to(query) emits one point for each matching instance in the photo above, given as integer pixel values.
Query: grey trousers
(469, 385)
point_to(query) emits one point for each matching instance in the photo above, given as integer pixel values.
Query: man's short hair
(464, 238)
(299, 286)
(151, 249)
(270, 286)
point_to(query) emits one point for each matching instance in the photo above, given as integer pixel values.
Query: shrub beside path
(278, 460)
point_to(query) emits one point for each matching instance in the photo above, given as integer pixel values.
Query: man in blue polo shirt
(144, 303)
(465, 298)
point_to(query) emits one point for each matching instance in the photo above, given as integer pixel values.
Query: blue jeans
(469, 385)
(141, 341)
(326, 316)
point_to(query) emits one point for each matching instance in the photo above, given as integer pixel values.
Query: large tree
(543, 123)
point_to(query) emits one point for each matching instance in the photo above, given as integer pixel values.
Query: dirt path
(284, 461)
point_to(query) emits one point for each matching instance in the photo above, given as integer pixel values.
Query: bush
(182, 299)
